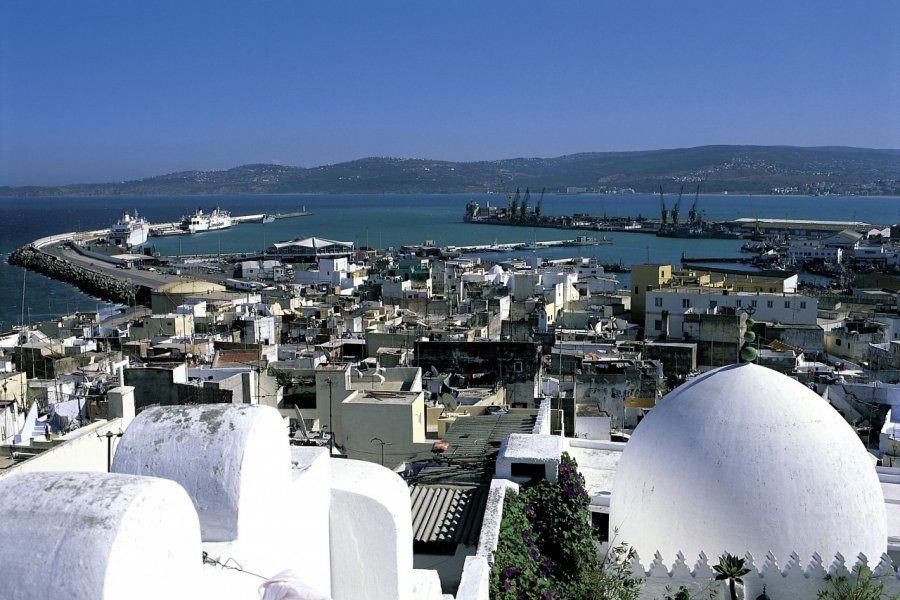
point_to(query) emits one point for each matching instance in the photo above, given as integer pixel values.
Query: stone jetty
(92, 283)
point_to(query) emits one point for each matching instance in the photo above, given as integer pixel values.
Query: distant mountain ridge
(735, 169)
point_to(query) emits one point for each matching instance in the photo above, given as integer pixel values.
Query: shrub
(546, 546)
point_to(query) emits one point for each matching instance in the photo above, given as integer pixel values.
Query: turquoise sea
(381, 221)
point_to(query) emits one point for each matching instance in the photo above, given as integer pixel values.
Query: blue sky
(104, 91)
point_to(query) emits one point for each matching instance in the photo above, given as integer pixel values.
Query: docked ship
(698, 230)
(201, 221)
(583, 240)
(129, 231)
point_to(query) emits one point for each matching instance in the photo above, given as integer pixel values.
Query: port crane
(664, 214)
(509, 206)
(693, 215)
(677, 207)
(514, 209)
(537, 207)
(524, 210)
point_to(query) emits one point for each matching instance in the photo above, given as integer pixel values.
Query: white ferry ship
(129, 231)
(201, 221)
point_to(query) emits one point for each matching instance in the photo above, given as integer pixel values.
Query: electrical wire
(236, 566)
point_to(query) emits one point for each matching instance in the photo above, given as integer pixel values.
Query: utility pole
(109, 435)
(377, 440)
(330, 415)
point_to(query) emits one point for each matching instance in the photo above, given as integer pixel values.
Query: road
(149, 279)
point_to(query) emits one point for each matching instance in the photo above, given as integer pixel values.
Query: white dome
(744, 459)
(496, 270)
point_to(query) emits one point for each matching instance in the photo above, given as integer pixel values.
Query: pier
(517, 246)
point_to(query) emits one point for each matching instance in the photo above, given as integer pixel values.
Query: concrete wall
(401, 426)
(371, 533)
(153, 385)
(83, 450)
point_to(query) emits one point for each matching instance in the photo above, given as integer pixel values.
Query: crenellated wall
(792, 577)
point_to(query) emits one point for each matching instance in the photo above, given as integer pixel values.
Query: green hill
(741, 169)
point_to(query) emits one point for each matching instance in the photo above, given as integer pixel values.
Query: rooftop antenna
(22, 321)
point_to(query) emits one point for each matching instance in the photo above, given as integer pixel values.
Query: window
(657, 301)
(534, 472)
(787, 303)
(837, 342)
(686, 303)
(802, 304)
(738, 303)
(770, 304)
(649, 287)
(657, 325)
(637, 290)
(713, 303)
(753, 303)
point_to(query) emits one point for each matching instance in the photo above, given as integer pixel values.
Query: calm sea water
(380, 221)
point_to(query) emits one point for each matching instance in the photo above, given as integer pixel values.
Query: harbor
(379, 222)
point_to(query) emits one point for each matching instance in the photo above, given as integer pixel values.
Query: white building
(665, 306)
(268, 269)
(806, 250)
(742, 460)
(334, 272)
(747, 460)
(210, 501)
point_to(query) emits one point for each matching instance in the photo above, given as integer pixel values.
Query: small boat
(167, 232)
(267, 218)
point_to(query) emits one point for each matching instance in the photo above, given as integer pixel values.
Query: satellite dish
(449, 401)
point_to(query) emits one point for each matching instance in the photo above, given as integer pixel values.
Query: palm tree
(731, 568)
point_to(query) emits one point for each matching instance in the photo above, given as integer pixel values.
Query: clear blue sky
(104, 91)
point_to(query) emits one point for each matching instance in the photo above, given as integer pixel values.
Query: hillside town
(461, 378)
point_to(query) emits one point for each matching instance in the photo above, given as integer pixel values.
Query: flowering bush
(546, 548)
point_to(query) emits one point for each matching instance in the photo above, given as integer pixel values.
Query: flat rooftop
(382, 397)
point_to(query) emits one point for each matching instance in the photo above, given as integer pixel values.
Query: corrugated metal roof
(782, 346)
(474, 444)
(450, 514)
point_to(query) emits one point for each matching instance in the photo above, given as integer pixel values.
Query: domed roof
(190, 286)
(744, 459)
(496, 270)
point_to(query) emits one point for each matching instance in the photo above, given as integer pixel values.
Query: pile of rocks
(96, 284)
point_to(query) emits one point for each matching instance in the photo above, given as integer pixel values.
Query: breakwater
(98, 285)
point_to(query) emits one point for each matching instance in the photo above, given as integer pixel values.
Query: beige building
(170, 325)
(13, 386)
(645, 278)
(393, 422)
